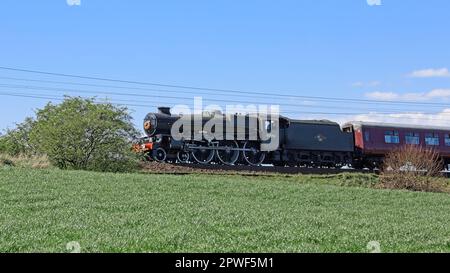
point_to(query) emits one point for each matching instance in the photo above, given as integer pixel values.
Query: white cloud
(374, 2)
(358, 84)
(431, 73)
(391, 96)
(441, 118)
(73, 2)
(417, 118)
(366, 84)
(382, 96)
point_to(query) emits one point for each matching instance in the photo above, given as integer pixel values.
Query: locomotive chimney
(164, 110)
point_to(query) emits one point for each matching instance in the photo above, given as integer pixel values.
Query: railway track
(273, 169)
(187, 168)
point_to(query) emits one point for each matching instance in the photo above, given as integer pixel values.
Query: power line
(231, 91)
(175, 98)
(118, 87)
(300, 112)
(151, 90)
(214, 89)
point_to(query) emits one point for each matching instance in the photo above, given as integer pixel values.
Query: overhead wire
(274, 93)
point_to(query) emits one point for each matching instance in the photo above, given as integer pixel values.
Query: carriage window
(412, 138)
(432, 139)
(366, 136)
(447, 139)
(391, 137)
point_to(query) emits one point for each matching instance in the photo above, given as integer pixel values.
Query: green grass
(43, 210)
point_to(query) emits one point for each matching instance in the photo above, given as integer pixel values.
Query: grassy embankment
(43, 210)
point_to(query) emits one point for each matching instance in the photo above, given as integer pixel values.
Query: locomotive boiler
(204, 138)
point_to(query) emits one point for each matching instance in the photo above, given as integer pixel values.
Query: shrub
(76, 134)
(82, 134)
(413, 168)
(17, 141)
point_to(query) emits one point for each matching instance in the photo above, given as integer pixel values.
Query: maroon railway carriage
(374, 140)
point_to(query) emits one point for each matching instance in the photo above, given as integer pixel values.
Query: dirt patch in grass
(25, 161)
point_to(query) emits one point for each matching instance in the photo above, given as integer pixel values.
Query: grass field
(43, 210)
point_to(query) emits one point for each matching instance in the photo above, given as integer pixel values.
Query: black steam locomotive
(299, 142)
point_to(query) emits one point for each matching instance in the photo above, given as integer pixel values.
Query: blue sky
(396, 51)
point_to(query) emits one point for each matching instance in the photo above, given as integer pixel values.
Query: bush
(76, 134)
(413, 168)
(81, 134)
(17, 141)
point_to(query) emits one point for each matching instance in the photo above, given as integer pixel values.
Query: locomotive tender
(315, 143)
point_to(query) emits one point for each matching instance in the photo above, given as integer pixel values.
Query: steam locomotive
(309, 143)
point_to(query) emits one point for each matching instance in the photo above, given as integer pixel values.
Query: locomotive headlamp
(147, 125)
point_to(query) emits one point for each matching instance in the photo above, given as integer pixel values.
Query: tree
(17, 141)
(81, 134)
